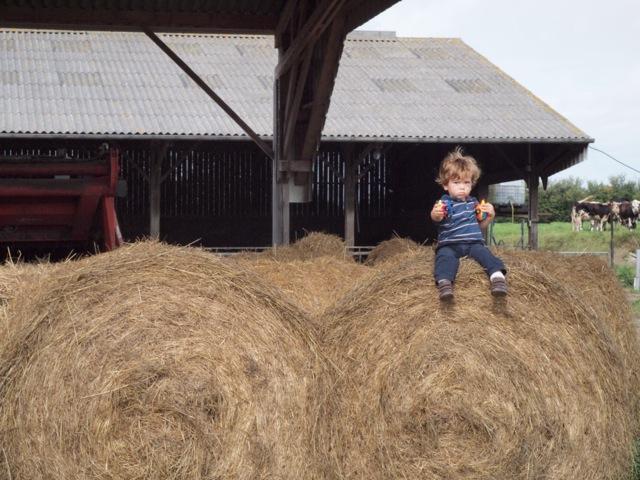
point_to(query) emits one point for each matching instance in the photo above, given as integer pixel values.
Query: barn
(190, 174)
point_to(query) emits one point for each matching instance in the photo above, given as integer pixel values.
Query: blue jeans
(448, 259)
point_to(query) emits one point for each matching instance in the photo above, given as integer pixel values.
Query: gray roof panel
(102, 83)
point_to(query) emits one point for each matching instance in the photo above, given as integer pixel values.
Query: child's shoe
(498, 287)
(445, 289)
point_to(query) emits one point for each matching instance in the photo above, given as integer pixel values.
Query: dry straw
(540, 385)
(312, 284)
(14, 278)
(156, 362)
(389, 249)
(313, 245)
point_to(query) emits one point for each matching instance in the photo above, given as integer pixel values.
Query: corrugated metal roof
(388, 89)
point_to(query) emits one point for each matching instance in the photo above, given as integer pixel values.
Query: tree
(559, 196)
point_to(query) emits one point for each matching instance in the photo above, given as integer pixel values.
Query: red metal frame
(59, 201)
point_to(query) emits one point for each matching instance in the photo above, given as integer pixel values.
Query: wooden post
(611, 242)
(350, 182)
(280, 182)
(533, 200)
(155, 181)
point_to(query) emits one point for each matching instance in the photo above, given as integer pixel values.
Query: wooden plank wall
(213, 195)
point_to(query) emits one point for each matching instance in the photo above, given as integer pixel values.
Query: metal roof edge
(332, 138)
(125, 136)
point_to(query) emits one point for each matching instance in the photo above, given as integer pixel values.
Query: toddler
(461, 221)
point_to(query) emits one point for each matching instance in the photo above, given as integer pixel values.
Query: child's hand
(488, 209)
(438, 211)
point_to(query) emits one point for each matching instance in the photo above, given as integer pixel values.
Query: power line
(614, 159)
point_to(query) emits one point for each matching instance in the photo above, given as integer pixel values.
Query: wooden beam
(365, 10)
(310, 32)
(533, 199)
(203, 85)
(134, 20)
(293, 109)
(350, 203)
(326, 80)
(510, 162)
(283, 21)
(555, 154)
(499, 177)
(556, 157)
(154, 195)
(279, 181)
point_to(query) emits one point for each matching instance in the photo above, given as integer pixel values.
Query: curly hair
(458, 165)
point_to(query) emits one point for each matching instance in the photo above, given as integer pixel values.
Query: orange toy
(480, 215)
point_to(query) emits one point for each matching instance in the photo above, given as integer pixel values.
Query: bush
(626, 274)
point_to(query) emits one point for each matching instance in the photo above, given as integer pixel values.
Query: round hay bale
(387, 250)
(157, 362)
(538, 385)
(312, 285)
(15, 277)
(314, 245)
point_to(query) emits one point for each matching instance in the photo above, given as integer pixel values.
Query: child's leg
(446, 265)
(481, 254)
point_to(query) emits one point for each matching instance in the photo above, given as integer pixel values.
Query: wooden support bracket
(310, 32)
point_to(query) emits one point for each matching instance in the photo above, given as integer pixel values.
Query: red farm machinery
(54, 202)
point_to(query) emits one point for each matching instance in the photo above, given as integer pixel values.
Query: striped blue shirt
(460, 225)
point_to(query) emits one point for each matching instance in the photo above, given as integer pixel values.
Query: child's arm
(438, 211)
(491, 213)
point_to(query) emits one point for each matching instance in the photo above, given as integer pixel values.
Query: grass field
(557, 236)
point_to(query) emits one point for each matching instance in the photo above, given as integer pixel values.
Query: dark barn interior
(217, 194)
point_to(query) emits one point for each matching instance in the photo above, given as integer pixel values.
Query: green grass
(635, 470)
(626, 274)
(557, 236)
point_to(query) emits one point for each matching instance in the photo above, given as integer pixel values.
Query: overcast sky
(582, 57)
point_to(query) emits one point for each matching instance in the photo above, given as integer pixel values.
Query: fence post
(611, 245)
(636, 281)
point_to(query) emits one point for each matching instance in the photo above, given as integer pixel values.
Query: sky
(582, 57)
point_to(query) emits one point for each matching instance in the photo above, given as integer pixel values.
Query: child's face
(458, 188)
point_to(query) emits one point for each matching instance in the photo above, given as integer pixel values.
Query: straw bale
(14, 277)
(313, 284)
(542, 384)
(313, 245)
(157, 362)
(387, 250)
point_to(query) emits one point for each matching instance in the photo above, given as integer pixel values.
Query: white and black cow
(626, 212)
(596, 213)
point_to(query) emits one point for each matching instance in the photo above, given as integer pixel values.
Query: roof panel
(101, 82)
